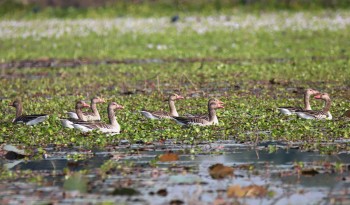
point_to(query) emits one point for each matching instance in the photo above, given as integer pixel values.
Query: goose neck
(173, 111)
(80, 114)
(94, 108)
(307, 105)
(111, 116)
(327, 105)
(19, 109)
(212, 114)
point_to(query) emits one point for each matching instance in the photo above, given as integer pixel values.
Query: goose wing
(312, 114)
(191, 121)
(202, 116)
(155, 114)
(28, 118)
(288, 110)
(94, 125)
(72, 115)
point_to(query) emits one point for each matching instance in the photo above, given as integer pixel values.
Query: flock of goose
(88, 121)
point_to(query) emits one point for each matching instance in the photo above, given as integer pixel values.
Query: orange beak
(220, 106)
(86, 105)
(220, 102)
(180, 97)
(317, 97)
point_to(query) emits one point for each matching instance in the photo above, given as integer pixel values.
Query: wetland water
(254, 63)
(289, 175)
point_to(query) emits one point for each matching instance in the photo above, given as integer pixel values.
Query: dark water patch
(120, 174)
(60, 164)
(58, 63)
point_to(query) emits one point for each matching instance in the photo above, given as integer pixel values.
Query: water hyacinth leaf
(76, 182)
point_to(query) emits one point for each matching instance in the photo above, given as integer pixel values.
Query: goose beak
(180, 97)
(220, 102)
(102, 100)
(86, 105)
(317, 97)
(220, 106)
(120, 107)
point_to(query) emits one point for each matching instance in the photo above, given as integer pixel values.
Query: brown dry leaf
(219, 171)
(248, 191)
(168, 157)
(235, 191)
(256, 191)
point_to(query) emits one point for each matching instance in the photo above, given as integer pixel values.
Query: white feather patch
(148, 115)
(72, 115)
(284, 111)
(66, 123)
(37, 120)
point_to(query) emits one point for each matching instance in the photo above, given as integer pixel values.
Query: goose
(318, 115)
(89, 116)
(291, 110)
(81, 117)
(157, 115)
(206, 116)
(27, 119)
(211, 120)
(112, 127)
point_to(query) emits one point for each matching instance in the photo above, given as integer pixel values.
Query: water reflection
(281, 171)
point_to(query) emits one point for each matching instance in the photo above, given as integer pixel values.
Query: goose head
(16, 103)
(215, 104)
(215, 100)
(114, 106)
(175, 96)
(310, 92)
(98, 100)
(322, 96)
(81, 104)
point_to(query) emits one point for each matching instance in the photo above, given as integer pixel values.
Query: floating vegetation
(252, 63)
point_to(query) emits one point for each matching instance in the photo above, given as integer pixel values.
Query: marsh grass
(251, 86)
(250, 104)
(110, 9)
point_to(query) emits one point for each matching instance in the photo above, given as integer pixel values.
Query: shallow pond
(137, 174)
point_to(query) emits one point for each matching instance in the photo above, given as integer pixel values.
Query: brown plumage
(291, 110)
(157, 115)
(205, 116)
(79, 105)
(318, 115)
(27, 119)
(89, 116)
(112, 127)
(211, 120)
